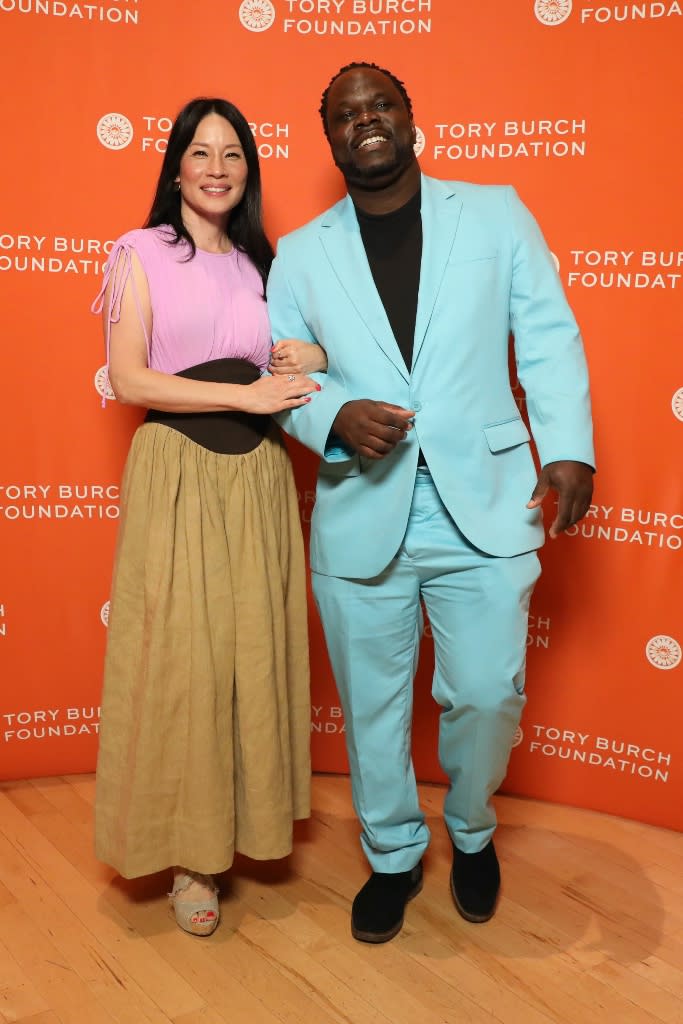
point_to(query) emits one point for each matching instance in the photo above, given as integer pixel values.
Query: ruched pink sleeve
(117, 271)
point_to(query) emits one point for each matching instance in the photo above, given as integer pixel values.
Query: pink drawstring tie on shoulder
(118, 267)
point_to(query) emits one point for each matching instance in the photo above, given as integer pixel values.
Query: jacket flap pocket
(506, 434)
(337, 470)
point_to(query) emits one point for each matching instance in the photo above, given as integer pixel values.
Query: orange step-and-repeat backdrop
(575, 103)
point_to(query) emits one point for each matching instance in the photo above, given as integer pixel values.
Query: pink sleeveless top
(208, 307)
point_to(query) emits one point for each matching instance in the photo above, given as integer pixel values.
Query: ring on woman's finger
(291, 378)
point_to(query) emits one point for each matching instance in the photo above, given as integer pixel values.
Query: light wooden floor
(589, 928)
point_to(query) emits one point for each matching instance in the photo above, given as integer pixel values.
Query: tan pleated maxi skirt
(205, 729)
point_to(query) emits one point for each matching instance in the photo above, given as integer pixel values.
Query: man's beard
(378, 175)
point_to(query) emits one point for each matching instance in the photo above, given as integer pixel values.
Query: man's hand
(573, 482)
(373, 429)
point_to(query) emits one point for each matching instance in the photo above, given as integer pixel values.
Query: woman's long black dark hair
(246, 219)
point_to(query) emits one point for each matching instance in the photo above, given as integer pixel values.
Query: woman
(204, 740)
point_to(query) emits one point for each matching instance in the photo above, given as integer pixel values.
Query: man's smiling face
(371, 131)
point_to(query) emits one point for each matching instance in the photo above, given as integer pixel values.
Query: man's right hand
(373, 429)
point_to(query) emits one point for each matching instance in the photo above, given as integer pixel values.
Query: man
(427, 490)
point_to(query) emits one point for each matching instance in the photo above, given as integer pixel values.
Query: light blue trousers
(478, 609)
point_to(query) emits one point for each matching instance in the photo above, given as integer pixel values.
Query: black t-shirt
(393, 245)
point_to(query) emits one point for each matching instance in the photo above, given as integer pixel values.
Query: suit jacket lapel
(340, 236)
(440, 217)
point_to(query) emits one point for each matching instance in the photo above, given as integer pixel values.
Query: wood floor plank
(340, 1002)
(48, 1017)
(670, 879)
(601, 955)
(480, 986)
(84, 785)
(359, 968)
(25, 797)
(60, 901)
(65, 799)
(49, 971)
(19, 998)
(6, 896)
(647, 995)
(287, 996)
(449, 997)
(463, 984)
(143, 906)
(142, 909)
(589, 929)
(662, 974)
(621, 833)
(204, 1016)
(627, 904)
(439, 994)
(523, 961)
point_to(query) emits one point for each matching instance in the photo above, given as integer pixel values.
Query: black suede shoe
(475, 881)
(378, 909)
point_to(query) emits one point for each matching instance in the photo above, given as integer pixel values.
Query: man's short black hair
(350, 67)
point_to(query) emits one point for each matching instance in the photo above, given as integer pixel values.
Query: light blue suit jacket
(486, 271)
